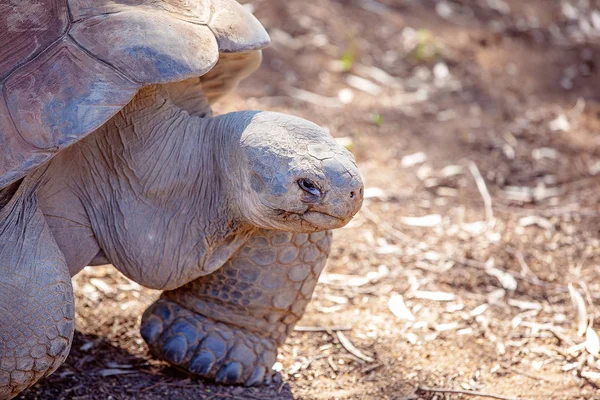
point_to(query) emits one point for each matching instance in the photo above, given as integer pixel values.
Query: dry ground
(428, 94)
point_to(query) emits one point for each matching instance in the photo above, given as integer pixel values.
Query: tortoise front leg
(36, 297)
(227, 325)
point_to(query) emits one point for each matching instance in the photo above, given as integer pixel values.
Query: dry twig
(483, 190)
(524, 373)
(347, 344)
(321, 328)
(525, 270)
(313, 98)
(465, 392)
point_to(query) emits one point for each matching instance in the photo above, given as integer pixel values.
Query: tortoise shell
(67, 66)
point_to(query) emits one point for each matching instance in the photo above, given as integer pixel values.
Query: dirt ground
(476, 257)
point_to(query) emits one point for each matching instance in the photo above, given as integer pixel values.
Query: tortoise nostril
(352, 195)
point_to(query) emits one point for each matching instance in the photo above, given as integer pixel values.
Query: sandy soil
(475, 124)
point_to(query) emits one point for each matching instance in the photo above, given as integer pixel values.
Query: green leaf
(377, 119)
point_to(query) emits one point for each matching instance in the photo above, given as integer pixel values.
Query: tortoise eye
(309, 187)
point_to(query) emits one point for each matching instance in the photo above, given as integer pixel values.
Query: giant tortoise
(109, 153)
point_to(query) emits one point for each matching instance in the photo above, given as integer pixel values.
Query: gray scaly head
(288, 173)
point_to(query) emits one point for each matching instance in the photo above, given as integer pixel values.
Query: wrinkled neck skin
(154, 184)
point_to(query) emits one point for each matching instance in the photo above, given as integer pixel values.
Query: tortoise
(109, 153)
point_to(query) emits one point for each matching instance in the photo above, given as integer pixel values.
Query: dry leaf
(593, 376)
(364, 85)
(375, 193)
(434, 296)
(580, 309)
(347, 344)
(103, 286)
(413, 159)
(525, 305)
(507, 281)
(446, 327)
(592, 343)
(399, 309)
(428, 221)
(114, 371)
(479, 310)
(355, 280)
(560, 124)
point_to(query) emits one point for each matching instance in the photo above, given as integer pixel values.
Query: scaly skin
(226, 326)
(201, 207)
(36, 296)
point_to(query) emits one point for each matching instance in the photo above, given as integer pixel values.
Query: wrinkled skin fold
(230, 215)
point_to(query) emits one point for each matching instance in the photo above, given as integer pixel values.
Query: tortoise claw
(152, 329)
(175, 349)
(256, 378)
(202, 363)
(230, 373)
(207, 348)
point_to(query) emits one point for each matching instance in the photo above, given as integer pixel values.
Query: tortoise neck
(173, 158)
(152, 182)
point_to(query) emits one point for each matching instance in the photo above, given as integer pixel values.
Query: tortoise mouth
(323, 220)
(311, 220)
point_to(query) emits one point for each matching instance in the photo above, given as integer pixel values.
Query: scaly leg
(227, 325)
(36, 296)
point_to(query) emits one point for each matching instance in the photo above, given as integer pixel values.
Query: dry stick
(321, 356)
(465, 392)
(370, 368)
(332, 365)
(524, 373)
(483, 190)
(546, 212)
(588, 297)
(375, 7)
(524, 266)
(562, 338)
(347, 344)
(313, 98)
(321, 328)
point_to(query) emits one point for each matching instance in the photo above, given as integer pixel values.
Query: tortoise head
(292, 175)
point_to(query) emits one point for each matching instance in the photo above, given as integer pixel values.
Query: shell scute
(28, 27)
(49, 114)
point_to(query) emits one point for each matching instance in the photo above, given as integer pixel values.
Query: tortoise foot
(207, 348)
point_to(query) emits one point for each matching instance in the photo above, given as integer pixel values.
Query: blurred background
(474, 264)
